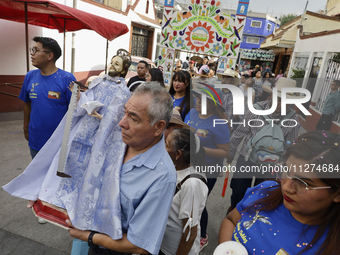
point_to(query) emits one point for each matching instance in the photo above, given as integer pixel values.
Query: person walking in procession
(331, 107)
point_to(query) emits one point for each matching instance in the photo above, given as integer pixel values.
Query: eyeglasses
(34, 50)
(300, 186)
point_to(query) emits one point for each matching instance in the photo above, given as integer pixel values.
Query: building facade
(85, 50)
(318, 55)
(258, 26)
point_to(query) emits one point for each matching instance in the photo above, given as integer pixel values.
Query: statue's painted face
(116, 66)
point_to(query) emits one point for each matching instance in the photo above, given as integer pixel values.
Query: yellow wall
(315, 24)
(311, 24)
(288, 35)
(329, 6)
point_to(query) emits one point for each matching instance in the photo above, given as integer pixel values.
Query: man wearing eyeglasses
(45, 93)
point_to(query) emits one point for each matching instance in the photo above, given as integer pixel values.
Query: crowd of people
(139, 162)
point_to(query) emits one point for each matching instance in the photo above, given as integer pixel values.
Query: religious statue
(95, 152)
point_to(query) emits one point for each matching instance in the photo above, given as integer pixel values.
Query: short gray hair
(161, 105)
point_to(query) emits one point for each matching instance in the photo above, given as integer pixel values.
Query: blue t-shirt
(49, 97)
(265, 232)
(177, 105)
(209, 135)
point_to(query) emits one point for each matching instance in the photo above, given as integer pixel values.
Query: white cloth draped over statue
(96, 151)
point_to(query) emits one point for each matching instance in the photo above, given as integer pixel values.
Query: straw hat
(177, 119)
(286, 83)
(230, 73)
(267, 88)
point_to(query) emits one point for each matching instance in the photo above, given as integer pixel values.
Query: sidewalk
(20, 232)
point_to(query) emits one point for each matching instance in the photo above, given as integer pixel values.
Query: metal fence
(332, 73)
(299, 62)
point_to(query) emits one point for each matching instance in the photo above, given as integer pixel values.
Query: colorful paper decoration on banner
(244, 65)
(203, 28)
(169, 3)
(242, 8)
(257, 54)
(165, 64)
(225, 63)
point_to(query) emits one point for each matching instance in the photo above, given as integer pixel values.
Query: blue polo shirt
(49, 96)
(147, 186)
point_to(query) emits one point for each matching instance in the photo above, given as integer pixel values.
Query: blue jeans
(33, 152)
(240, 185)
(204, 217)
(79, 247)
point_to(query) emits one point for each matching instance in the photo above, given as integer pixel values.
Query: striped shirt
(258, 88)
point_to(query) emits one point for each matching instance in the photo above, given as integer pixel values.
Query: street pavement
(20, 232)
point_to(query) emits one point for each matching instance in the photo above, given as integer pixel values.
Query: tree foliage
(286, 18)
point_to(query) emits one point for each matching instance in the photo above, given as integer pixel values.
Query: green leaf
(162, 61)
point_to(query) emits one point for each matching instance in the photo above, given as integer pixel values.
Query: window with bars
(253, 39)
(256, 23)
(269, 26)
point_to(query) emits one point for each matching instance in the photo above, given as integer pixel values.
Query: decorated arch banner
(202, 29)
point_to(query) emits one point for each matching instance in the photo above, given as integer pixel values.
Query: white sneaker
(204, 242)
(42, 221)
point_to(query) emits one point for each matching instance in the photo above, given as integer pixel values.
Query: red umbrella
(53, 15)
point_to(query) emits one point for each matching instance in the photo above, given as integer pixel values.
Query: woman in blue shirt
(299, 213)
(180, 91)
(214, 138)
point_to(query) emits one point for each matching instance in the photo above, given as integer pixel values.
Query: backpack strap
(288, 116)
(257, 107)
(198, 176)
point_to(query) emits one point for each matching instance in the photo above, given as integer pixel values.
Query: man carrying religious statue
(147, 177)
(95, 152)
